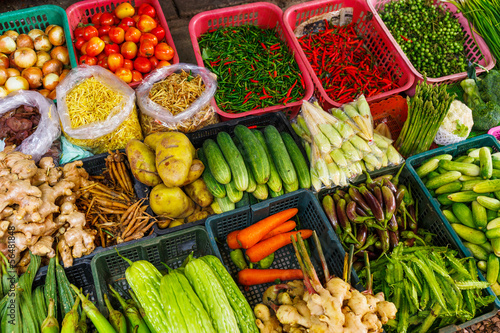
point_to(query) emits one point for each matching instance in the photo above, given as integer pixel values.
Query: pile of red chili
(343, 64)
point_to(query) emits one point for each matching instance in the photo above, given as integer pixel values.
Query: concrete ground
(178, 13)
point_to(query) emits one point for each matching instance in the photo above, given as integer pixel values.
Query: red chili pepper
(290, 90)
(253, 81)
(263, 46)
(229, 62)
(247, 95)
(264, 97)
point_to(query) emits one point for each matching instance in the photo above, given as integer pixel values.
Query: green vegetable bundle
(430, 287)
(263, 164)
(468, 188)
(426, 111)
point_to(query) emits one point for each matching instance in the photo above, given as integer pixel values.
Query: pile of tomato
(129, 42)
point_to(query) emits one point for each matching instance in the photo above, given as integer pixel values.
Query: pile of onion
(37, 60)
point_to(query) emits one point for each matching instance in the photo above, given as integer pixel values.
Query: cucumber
(495, 163)
(427, 167)
(477, 251)
(487, 246)
(479, 215)
(463, 214)
(443, 199)
(251, 179)
(225, 204)
(465, 178)
(254, 154)
(467, 169)
(218, 190)
(486, 164)
(441, 170)
(493, 233)
(280, 155)
(487, 186)
(274, 181)
(491, 214)
(449, 188)
(475, 152)
(440, 157)
(233, 193)
(291, 187)
(466, 196)
(450, 216)
(216, 208)
(216, 162)
(432, 174)
(468, 185)
(443, 179)
(489, 203)
(245, 201)
(482, 265)
(493, 224)
(276, 194)
(261, 192)
(234, 159)
(298, 160)
(495, 243)
(469, 234)
(497, 194)
(468, 159)
(493, 268)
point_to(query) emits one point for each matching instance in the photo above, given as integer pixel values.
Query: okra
(100, 322)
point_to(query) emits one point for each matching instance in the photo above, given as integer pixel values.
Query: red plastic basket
(82, 12)
(376, 40)
(263, 15)
(393, 111)
(476, 52)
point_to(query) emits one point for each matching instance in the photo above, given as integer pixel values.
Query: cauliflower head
(459, 119)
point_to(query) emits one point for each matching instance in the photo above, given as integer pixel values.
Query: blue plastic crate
(455, 150)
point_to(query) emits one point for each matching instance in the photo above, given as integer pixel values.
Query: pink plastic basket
(376, 40)
(495, 131)
(263, 15)
(82, 12)
(477, 53)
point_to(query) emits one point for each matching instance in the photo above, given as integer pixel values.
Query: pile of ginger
(37, 209)
(308, 306)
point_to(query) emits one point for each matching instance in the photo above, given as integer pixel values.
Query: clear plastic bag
(200, 113)
(120, 125)
(48, 130)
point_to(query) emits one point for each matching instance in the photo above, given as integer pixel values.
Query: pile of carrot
(261, 240)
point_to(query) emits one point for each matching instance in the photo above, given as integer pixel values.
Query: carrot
(270, 245)
(251, 235)
(232, 241)
(285, 227)
(250, 277)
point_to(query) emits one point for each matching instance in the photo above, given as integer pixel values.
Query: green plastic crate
(38, 17)
(171, 249)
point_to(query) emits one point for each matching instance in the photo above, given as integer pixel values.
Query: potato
(198, 191)
(142, 162)
(176, 223)
(173, 159)
(164, 222)
(170, 201)
(153, 140)
(203, 214)
(195, 172)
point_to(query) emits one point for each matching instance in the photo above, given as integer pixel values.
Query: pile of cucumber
(468, 188)
(267, 163)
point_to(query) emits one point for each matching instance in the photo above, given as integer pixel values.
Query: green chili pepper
(267, 261)
(239, 259)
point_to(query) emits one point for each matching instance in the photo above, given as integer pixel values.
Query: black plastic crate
(109, 269)
(277, 119)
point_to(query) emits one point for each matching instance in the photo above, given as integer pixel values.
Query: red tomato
(111, 48)
(115, 61)
(146, 49)
(104, 30)
(117, 35)
(163, 51)
(159, 32)
(106, 40)
(133, 35)
(154, 61)
(101, 56)
(163, 63)
(146, 23)
(129, 64)
(84, 48)
(136, 18)
(128, 50)
(116, 19)
(78, 33)
(142, 65)
(124, 10)
(89, 32)
(79, 42)
(146, 9)
(128, 21)
(95, 46)
(85, 59)
(124, 74)
(103, 62)
(136, 76)
(95, 19)
(150, 37)
(106, 19)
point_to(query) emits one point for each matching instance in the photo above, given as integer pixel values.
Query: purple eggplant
(380, 179)
(369, 243)
(399, 196)
(401, 223)
(409, 242)
(411, 210)
(412, 235)
(341, 214)
(340, 193)
(374, 204)
(371, 255)
(378, 245)
(377, 192)
(361, 236)
(390, 185)
(347, 198)
(389, 202)
(330, 211)
(360, 211)
(392, 224)
(356, 196)
(352, 215)
(393, 240)
(336, 197)
(383, 235)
